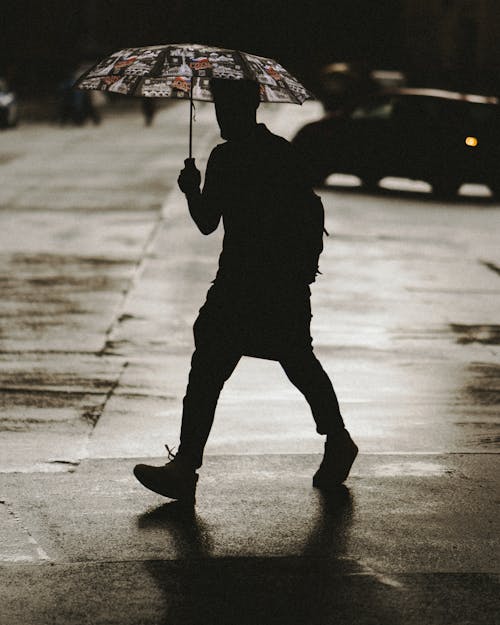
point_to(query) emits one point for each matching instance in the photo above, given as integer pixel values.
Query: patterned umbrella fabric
(167, 71)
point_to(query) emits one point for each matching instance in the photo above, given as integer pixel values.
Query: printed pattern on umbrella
(167, 71)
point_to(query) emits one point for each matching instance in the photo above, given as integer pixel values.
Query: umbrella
(183, 71)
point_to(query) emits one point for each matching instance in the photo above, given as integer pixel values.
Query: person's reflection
(187, 531)
(300, 588)
(328, 536)
(323, 557)
(335, 586)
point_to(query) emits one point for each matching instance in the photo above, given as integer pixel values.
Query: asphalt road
(103, 273)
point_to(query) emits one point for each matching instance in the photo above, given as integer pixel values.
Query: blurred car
(8, 106)
(442, 137)
(341, 82)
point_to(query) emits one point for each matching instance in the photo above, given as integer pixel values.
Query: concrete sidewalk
(103, 274)
(407, 543)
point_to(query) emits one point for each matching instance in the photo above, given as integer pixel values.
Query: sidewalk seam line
(132, 281)
(92, 416)
(42, 555)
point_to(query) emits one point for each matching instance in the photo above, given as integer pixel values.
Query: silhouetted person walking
(259, 303)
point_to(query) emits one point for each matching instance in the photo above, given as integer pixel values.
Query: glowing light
(471, 141)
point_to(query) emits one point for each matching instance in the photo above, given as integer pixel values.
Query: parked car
(442, 137)
(8, 106)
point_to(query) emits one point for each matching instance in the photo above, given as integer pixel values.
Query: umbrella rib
(245, 64)
(160, 62)
(138, 86)
(292, 95)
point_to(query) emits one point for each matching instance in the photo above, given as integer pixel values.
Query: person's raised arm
(203, 206)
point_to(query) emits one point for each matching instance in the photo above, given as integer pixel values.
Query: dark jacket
(273, 221)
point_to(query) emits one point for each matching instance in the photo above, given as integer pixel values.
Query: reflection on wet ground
(305, 588)
(481, 394)
(415, 468)
(322, 584)
(484, 385)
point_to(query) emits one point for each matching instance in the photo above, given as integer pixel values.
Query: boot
(340, 453)
(176, 479)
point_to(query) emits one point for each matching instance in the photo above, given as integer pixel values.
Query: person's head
(236, 102)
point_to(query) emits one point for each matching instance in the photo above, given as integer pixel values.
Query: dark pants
(218, 348)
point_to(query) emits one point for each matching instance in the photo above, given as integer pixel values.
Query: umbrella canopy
(183, 71)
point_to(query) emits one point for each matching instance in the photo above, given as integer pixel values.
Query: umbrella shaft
(191, 119)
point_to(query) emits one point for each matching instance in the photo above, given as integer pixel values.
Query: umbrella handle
(191, 118)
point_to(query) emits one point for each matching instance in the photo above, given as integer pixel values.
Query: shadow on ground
(299, 589)
(319, 586)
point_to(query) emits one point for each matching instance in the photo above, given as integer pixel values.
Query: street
(103, 273)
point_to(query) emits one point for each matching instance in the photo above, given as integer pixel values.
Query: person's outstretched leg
(304, 370)
(211, 365)
(177, 479)
(213, 361)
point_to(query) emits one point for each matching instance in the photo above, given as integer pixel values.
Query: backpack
(311, 236)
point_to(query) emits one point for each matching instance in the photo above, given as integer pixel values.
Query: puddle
(7, 158)
(69, 260)
(487, 441)
(483, 388)
(485, 334)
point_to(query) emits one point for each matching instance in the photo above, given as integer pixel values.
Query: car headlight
(471, 141)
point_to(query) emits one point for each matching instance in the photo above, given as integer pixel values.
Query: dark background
(448, 43)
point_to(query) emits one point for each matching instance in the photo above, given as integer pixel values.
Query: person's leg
(211, 365)
(305, 372)
(213, 361)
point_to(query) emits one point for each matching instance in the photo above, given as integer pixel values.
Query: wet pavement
(102, 275)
